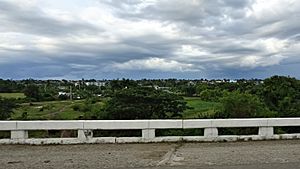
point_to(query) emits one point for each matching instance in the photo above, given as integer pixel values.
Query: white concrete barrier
(19, 130)
(49, 125)
(115, 124)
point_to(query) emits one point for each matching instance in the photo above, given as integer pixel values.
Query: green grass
(63, 110)
(12, 95)
(200, 109)
(57, 110)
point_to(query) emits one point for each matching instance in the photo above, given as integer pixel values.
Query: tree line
(277, 96)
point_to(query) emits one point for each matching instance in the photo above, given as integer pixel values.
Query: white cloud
(46, 44)
(157, 64)
(82, 66)
(189, 50)
(25, 3)
(265, 11)
(257, 61)
(273, 45)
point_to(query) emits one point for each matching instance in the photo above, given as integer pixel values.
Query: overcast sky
(74, 39)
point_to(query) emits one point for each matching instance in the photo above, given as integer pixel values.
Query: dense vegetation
(277, 96)
(6, 107)
(144, 103)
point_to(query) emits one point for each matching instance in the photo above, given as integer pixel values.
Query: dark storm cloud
(148, 38)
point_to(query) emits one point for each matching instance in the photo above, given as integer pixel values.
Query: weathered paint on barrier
(19, 130)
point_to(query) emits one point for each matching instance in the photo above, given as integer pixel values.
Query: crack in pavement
(170, 157)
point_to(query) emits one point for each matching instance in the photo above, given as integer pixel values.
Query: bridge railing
(19, 130)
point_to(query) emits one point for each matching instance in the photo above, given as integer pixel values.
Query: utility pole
(71, 92)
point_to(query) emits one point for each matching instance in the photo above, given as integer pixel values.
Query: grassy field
(56, 110)
(12, 95)
(63, 110)
(200, 109)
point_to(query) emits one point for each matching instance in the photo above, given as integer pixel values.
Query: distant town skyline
(152, 39)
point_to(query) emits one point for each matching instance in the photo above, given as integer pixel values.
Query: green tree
(211, 95)
(144, 103)
(243, 105)
(6, 108)
(121, 84)
(201, 87)
(5, 86)
(282, 94)
(190, 90)
(32, 92)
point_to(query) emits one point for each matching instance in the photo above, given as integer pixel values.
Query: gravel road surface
(233, 155)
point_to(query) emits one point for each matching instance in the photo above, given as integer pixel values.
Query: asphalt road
(233, 155)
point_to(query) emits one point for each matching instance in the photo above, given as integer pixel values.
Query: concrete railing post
(210, 132)
(18, 134)
(266, 131)
(148, 134)
(84, 134)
